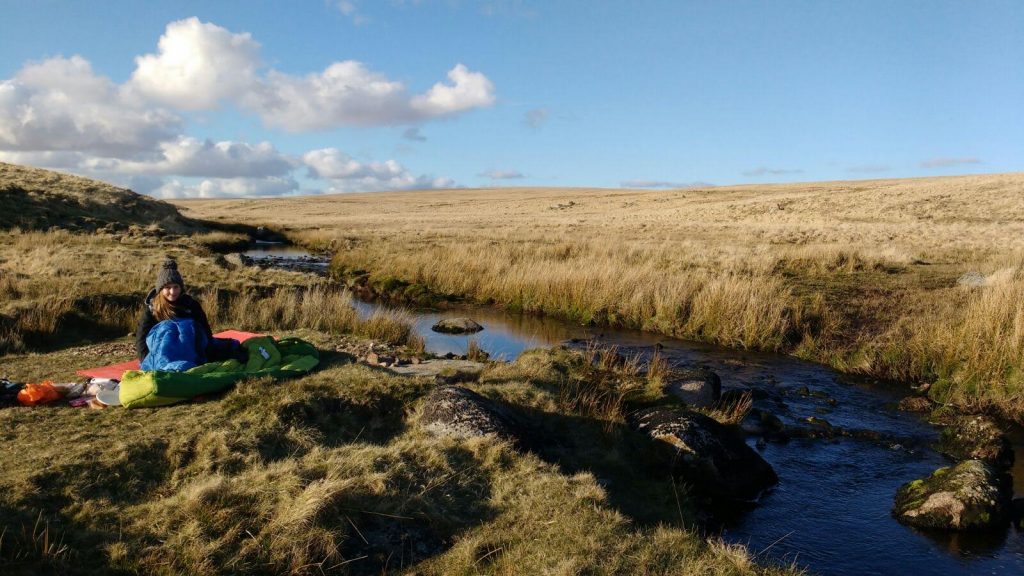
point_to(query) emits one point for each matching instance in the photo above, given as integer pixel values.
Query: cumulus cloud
(205, 158)
(60, 104)
(948, 162)
(198, 64)
(761, 171)
(413, 133)
(227, 187)
(347, 174)
(536, 117)
(348, 93)
(59, 113)
(662, 184)
(181, 157)
(502, 174)
(467, 90)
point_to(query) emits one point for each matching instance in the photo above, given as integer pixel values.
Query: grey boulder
(462, 413)
(711, 456)
(457, 326)
(698, 388)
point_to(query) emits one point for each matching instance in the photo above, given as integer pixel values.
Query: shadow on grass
(425, 526)
(636, 478)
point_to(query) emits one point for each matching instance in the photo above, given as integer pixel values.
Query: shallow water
(830, 512)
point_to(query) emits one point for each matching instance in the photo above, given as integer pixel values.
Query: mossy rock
(976, 438)
(457, 326)
(969, 496)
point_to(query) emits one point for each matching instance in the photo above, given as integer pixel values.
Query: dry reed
(856, 274)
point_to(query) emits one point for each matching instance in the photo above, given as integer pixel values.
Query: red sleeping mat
(114, 371)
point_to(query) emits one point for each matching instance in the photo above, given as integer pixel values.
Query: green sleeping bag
(285, 358)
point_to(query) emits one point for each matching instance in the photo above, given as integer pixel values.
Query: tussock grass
(394, 326)
(731, 411)
(319, 307)
(220, 241)
(860, 275)
(34, 544)
(59, 288)
(329, 474)
(474, 352)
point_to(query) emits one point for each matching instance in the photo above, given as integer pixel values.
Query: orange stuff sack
(35, 394)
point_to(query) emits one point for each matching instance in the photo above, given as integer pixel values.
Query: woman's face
(171, 292)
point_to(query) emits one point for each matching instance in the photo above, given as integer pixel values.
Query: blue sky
(251, 98)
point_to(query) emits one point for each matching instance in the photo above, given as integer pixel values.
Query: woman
(173, 332)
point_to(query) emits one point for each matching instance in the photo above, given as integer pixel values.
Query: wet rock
(443, 371)
(379, 359)
(699, 388)
(915, 404)
(457, 326)
(460, 412)
(969, 496)
(763, 423)
(711, 456)
(976, 437)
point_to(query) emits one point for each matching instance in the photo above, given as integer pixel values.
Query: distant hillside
(34, 199)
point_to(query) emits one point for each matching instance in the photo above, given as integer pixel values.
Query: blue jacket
(175, 345)
(185, 307)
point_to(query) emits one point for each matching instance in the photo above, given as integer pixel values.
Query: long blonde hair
(163, 309)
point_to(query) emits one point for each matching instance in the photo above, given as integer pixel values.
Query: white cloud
(182, 157)
(193, 157)
(467, 90)
(346, 174)
(502, 174)
(345, 93)
(348, 93)
(198, 64)
(227, 188)
(58, 113)
(61, 104)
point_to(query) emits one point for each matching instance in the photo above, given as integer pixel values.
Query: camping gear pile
(278, 359)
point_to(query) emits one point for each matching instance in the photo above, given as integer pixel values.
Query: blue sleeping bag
(175, 346)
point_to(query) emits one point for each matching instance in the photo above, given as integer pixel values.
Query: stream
(830, 512)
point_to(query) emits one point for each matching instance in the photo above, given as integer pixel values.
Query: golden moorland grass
(58, 287)
(329, 473)
(861, 275)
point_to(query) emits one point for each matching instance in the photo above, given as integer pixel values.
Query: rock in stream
(707, 454)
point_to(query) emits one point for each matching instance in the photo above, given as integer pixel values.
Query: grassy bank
(325, 474)
(59, 288)
(859, 275)
(331, 474)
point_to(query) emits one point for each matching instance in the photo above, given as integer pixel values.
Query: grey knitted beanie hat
(169, 275)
